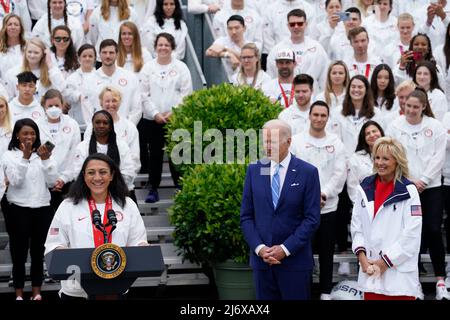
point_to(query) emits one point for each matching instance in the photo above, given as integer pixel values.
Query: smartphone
(417, 55)
(50, 146)
(343, 16)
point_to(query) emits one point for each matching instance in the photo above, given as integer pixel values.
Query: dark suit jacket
(292, 223)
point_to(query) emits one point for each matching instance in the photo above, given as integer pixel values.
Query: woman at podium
(98, 189)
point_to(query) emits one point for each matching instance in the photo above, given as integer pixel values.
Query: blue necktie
(276, 186)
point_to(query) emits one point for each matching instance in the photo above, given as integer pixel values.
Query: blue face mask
(53, 112)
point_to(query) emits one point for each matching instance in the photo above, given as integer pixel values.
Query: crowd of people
(347, 73)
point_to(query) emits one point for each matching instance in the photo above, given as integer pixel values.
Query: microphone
(97, 219)
(112, 219)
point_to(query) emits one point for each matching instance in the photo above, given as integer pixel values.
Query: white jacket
(311, 59)
(328, 156)
(54, 74)
(72, 228)
(126, 82)
(360, 166)
(66, 140)
(164, 86)
(393, 235)
(127, 166)
(446, 168)
(262, 78)
(76, 94)
(297, 119)
(129, 65)
(348, 127)
(12, 58)
(29, 180)
(127, 132)
(438, 103)
(151, 29)
(253, 23)
(41, 31)
(381, 33)
(144, 9)
(5, 138)
(425, 149)
(18, 111)
(201, 6)
(275, 20)
(442, 63)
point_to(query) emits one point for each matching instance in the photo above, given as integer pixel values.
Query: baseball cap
(284, 54)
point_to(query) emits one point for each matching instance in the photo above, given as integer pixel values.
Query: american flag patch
(416, 210)
(54, 231)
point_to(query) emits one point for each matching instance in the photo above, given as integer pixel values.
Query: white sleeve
(137, 234)
(57, 78)
(196, 7)
(127, 165)
(57, 235)
(336, 182)
(24, 16)
(149, 108)
(271, 64)
(135, 112)
(356, 227)
(77, 163)
(268, 37)
(352, 179)
(185, 82)
(181, 45)
(72, 92)
(93, 32)
(50, 169)
(439, 105)
(435, 165)
(15, 171)
(66, 175)
(134, 147)
(408, 242)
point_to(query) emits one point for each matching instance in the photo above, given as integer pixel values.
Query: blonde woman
(12, 42)
(37, 59)
(337, 81)
(250, 73)
(106, 19)
(5, 125)
(366, 7)
(132, 56)
(386, 227)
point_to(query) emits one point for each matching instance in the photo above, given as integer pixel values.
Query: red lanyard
(6, 5)
(98, 235)
(283, 93)
(366, 73)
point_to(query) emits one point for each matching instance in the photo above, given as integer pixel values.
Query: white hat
(284, 54)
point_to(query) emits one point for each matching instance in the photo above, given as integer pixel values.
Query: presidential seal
(108, 261)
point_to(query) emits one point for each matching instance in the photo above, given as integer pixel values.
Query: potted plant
(206, 212)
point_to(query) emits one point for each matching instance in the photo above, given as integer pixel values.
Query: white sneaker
(344, 268)
(441, 291)
(325, 296)
(447, 282)
(19, 298)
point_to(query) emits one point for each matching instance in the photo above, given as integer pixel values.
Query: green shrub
(206, 210)
(206, 214)
(220, 107)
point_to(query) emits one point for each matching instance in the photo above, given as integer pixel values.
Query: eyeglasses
(296, 24)
(247, 57)
(59, 39)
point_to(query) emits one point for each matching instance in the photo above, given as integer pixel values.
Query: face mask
(53, 112)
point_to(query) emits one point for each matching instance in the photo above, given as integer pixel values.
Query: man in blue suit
(280, 213)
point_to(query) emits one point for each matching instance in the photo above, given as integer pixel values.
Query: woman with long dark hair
(64, 53)
(103, 140)
(30, 172)
(168, 18)
(383, 90)
(426, 77)
(99, 185)
(360, 164)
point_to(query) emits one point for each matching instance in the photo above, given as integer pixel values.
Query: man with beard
(281, 88)
(111, 75)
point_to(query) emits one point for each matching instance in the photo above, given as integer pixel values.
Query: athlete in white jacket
(18, 7)
(326, 152)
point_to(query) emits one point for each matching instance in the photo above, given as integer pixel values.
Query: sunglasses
(59, 39)
(296, 24)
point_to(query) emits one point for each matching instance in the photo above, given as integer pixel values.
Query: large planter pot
(234, 281)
